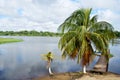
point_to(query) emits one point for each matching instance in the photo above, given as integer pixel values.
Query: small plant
(49, 58)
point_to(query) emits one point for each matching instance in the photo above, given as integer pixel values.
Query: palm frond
(81, 51)
(65, 39)
(98, 41)
(47, 56)
(87, 17)
(76, 18)
(102, 26)
(93, 20)
(74, 53)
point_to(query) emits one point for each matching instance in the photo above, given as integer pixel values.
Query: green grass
(9, 40)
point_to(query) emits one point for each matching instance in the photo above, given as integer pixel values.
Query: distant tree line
(36, 33)
(28, 33)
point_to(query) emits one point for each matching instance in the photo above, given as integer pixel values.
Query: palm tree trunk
(107, 66)
(49, 67)
(50, 72)
(107, 61)
(84, 69)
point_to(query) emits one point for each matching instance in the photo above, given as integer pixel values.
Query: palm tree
(83, 32)
(49, 57)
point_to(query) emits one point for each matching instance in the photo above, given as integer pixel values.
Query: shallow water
(23, 61)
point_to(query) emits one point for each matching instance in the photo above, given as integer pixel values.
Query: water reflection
(23, 61)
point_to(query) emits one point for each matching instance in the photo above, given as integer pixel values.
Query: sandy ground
(81, 76)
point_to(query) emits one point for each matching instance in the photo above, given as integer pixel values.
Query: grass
(9, 40)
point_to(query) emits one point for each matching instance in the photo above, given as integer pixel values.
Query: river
(23, 60)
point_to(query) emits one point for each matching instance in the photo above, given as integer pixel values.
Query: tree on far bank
(82, 32)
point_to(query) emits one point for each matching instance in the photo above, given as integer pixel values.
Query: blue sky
(47, 15)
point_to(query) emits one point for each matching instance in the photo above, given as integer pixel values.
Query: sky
(47, 15)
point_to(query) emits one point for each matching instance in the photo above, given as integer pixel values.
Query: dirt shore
(81, 76)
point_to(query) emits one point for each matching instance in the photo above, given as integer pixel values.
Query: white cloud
(47, 15)
(110, 16)
(101, 4)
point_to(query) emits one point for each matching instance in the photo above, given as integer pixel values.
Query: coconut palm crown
(83, 32)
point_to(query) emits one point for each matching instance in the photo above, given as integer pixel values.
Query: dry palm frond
(74, 54)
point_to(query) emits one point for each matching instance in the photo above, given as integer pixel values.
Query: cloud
(101, 4)
(47, 15)
(109, 16)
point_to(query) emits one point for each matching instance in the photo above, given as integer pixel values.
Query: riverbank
(81, 76)
(9, 40)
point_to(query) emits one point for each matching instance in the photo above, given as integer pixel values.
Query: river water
(23, 60)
